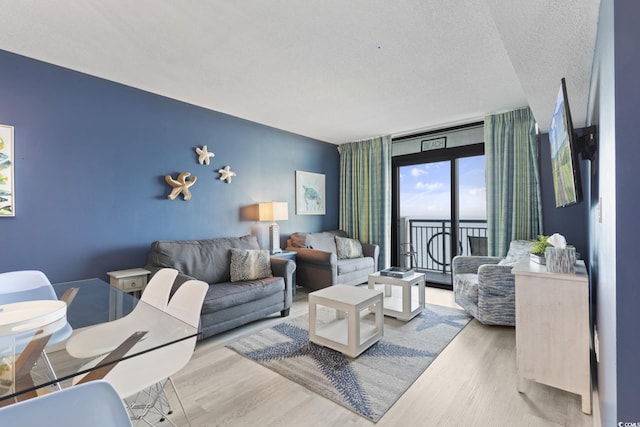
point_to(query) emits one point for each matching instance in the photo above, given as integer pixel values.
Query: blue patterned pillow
(250, 264)
(348, 248)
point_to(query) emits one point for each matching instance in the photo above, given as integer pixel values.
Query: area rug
(370, 384)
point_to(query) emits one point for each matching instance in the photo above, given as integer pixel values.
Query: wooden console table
(552, 329)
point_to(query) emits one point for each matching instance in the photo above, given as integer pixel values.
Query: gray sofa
(319, 266)
(227, 304)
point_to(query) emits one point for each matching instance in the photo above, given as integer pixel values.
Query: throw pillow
(348, 248)
(250, 264)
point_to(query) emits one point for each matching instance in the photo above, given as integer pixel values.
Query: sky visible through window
(425, 190)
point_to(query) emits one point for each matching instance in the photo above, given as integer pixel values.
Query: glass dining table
(142, 328)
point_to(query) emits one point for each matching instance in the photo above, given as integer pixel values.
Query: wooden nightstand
(132, 281)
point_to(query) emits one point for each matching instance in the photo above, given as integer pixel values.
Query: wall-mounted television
(567, 183)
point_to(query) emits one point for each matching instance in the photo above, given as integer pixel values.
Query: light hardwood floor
(471, 383)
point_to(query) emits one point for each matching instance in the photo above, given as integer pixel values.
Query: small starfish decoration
(180, 185)
(226, 174)
(430, 318)
(204, 155)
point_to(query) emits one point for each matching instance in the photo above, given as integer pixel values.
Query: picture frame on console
(310, 193)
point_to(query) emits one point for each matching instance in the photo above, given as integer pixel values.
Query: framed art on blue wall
(7, 202)
(310, 193)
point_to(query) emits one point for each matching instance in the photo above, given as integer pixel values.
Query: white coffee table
(348, 333)
(402, 307)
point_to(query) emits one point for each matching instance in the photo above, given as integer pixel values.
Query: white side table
(401, 307)
(131, 280)
(350, 336)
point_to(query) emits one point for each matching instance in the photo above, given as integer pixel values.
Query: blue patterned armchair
(485, 287)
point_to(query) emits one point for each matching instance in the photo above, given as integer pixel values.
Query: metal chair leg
(175, 390)
(47, 363)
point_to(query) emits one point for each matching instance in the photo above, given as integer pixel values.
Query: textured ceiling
(335, 70)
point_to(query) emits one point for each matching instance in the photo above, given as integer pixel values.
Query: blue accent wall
(90, 161)
(614, 102)
(627, 200)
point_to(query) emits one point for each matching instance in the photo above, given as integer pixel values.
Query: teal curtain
(365, 193)
(514, 205)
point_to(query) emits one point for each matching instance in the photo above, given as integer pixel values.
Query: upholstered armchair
(320, 262)
(484, 286)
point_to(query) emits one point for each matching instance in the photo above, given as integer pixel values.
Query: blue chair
(95, 403)
(484, 286)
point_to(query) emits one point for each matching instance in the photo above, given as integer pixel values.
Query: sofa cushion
(348, 248)
(249, 264)
(207, 260)
(518, 250)
(321, 241)
(299, 240)
(346, 266)
(229, 294)
(508, 263)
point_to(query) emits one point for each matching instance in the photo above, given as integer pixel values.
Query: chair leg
(155, 402)
(47, 363)
(175, 390)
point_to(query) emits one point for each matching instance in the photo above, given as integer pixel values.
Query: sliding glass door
(439, 209)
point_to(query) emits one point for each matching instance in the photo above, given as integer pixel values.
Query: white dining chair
(33, 285)
(103, 338)
(95, 403)
(146, 374)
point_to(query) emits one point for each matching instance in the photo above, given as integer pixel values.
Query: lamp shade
(273, 211)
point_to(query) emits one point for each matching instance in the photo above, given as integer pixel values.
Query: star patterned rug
(369, 384)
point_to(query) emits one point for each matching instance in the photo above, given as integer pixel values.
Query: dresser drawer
(132, 280)
(133, 283)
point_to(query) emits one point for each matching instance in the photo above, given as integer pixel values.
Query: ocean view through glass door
(442, 211)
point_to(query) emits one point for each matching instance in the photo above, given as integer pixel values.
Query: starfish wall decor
(203, 155)
(226, 173)
(180, 185)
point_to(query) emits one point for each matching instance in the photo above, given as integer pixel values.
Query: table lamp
(274, 211)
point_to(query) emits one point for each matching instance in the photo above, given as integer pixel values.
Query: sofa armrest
(314, 256)
(495, 282)
(471, 264)
(315, 269)
(284, 268)
(373, 251)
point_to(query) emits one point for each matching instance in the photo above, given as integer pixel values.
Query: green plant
(539, 246)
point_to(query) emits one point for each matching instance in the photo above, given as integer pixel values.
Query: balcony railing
(425, 244)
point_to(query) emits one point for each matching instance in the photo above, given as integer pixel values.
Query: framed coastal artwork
(7, 202)
(310, 193)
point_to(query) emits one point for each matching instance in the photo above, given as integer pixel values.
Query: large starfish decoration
(335, 366)
(226, 173)
(430, 318)
(204, 155)
(180, 185)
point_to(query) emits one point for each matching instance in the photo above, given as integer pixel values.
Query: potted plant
(538, 248)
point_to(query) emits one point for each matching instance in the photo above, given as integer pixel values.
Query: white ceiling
(335, 70)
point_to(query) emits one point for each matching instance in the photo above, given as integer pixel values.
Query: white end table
(401, 307)
(350, 336)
